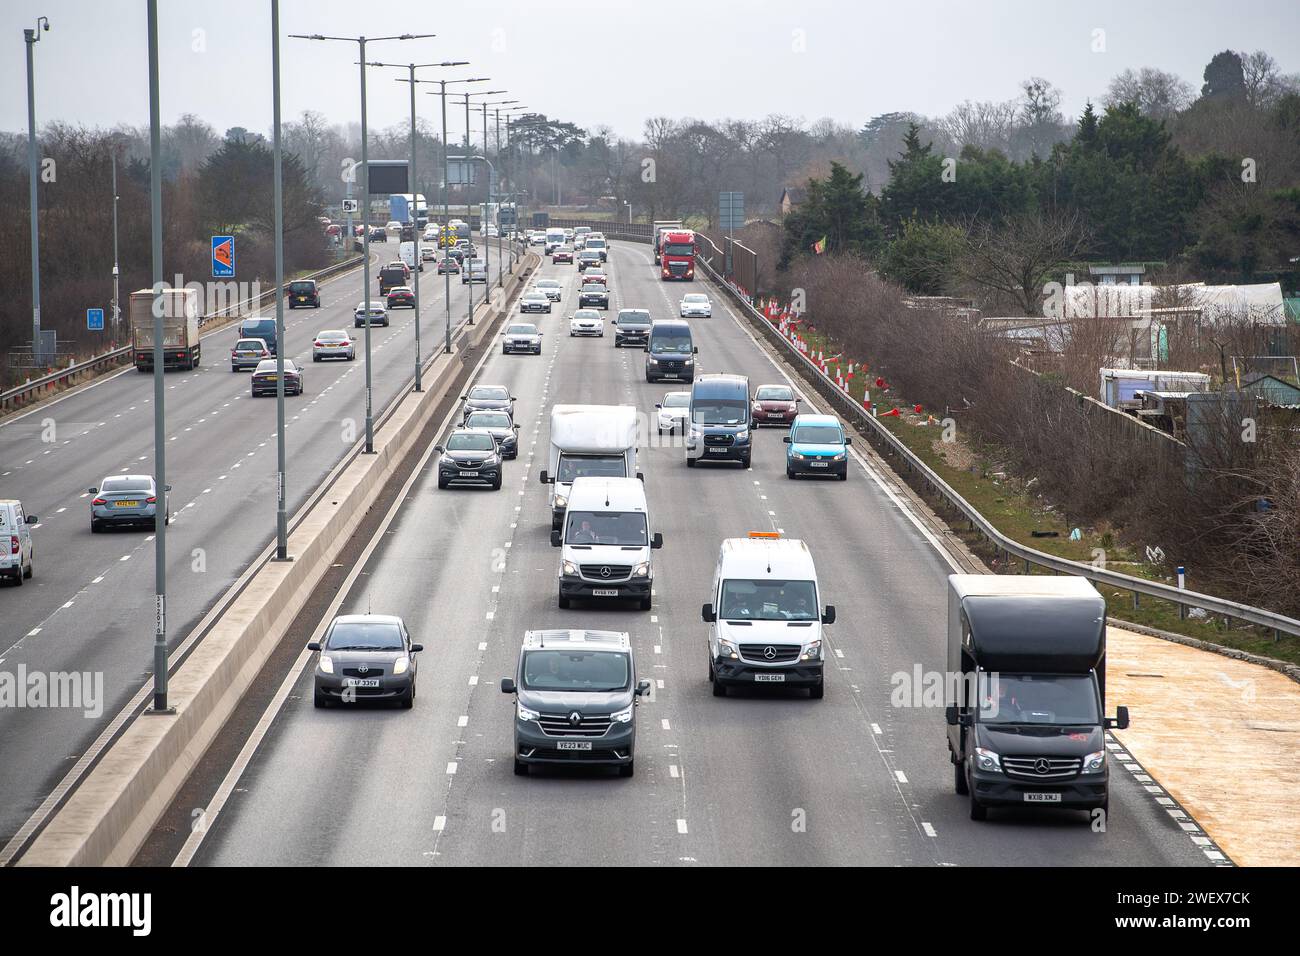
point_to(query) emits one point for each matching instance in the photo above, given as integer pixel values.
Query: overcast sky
(616, 62)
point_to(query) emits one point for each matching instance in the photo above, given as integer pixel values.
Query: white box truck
(588, 440)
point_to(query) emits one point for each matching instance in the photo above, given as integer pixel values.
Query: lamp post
(365, 160)
(446, 215)
(31, 38)
(415, 201)
(492, 176)
(469, 313)
(281, 514)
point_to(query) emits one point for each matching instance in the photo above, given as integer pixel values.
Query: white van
(15, 541)
(764, 617)
(606, 542)
(597, 440)
(407, 252)
(554, 238)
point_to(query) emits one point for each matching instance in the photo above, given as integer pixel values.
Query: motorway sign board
(731, 211)
(223, 257)
(384, 177)
(95, 320)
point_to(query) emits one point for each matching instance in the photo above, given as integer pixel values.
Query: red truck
(677, 256)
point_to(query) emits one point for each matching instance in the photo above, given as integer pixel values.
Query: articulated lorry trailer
(1026, 692)
(180, 328)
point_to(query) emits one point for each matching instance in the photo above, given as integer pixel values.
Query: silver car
(521, 337)
(125, 500)
(587, 322)
(552, 288)
(333, 343)
(672, 412)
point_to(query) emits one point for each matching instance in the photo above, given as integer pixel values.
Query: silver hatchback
(125, 500)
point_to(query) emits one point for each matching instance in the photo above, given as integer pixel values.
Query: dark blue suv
(718, 422)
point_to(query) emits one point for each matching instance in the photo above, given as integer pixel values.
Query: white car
(491, 231)
(553, 288)
(331, 344)
(394, 226)
(537, 239)
(587, 322)
(673, 410)
(378, 315)
(696, 305)
(428, 254)
(521, 337)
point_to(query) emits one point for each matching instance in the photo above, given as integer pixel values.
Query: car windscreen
(598, 466)
(536, 297)
(489, 393)
(119, 485)
(718, 411)
(774, 393)
(817, 435)
(595, 243)
(587, 313)
(365, 636)
(548, 284)
(1037, 699)
(696, 298)
(522, 330)
(677, 400)
(488, 420)
(576, 671)
(471, 443)
(302, 287)
(593, 288)
(766, 600)
(618, 528)
(332, 337)
(661, 342)
(250, 345)
(634, 318)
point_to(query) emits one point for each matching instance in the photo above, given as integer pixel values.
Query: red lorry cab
(677, 256)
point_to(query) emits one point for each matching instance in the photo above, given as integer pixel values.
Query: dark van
(718, 421)
(390, 277)
(670, 352)
(263, 329)
(304, 292)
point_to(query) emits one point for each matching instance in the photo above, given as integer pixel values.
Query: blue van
(670, 352)
(718, 422)
(817, 445)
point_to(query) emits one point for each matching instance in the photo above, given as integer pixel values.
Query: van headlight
(642, 570)
(623, 716)
(569, 568)
(689, 362)
(838, 457)
(523, 713)
(812, 652)
(797, 456)
(561, 501)
(401, 666)
(654, 361)
(742, 435)
(327, 664)
(987, 760)
(728, 649)
(1094, 762)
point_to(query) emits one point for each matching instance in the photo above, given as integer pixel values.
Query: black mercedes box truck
(1027, 692)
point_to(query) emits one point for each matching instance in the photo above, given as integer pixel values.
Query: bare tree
(1016, 255)
(1157, 94)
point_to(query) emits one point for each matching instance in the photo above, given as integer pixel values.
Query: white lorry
(588, 440)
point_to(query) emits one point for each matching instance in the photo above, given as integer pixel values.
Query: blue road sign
(95, 320)
(223, 257)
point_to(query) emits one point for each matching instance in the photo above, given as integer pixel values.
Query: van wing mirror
(642, 688)
(314, 646)
(508, 685)
(950, 715)
(640, 476)
(1120, 720)
(555, 539)
(786, 439)
(706, 612)
(657, 541)
(544, 478)
(695, 350)
(828, 616)
(32, 519)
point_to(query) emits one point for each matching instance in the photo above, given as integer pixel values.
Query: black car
(588, 260)
(495, 397)
(632, 327)
(470, 457)
(264, 378)
(303, 292)
(365, 657)
(501, 426)
(593, 294)
(378, 235)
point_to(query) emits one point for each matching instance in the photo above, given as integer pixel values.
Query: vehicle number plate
(361, 682)
(573, 745)
(1037, 797)
(126, 504)
(775, 415)
(769, 678)
(718, 451)
(604, 592)
(468, 474)
(818, 464)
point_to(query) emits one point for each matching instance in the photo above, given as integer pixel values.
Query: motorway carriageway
(754, 778)
(89, 607)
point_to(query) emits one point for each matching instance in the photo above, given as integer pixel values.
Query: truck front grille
(1042, 768)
